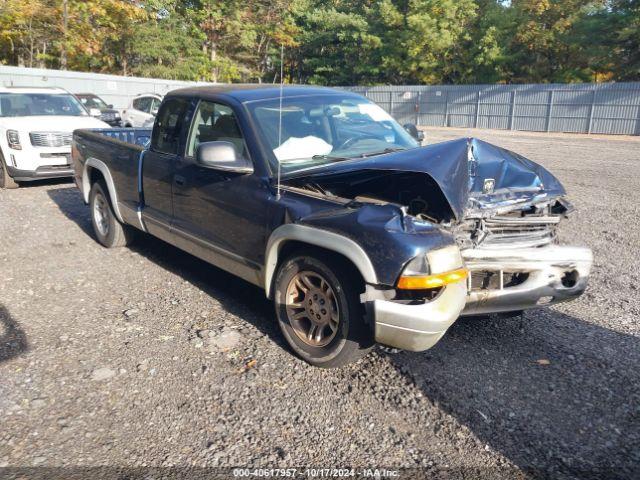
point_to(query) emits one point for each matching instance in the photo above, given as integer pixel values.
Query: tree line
(330, 42)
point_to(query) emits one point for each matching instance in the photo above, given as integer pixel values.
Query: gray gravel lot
(149, 357)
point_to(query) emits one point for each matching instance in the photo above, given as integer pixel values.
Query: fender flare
(320, 238)
(99, 165)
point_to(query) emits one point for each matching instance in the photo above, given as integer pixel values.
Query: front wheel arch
(311, 237)
(293, 247)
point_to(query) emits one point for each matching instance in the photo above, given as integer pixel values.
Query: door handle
(179, 180)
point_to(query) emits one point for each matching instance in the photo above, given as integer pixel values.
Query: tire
(108, 230)
(340, 335)
(5, 180)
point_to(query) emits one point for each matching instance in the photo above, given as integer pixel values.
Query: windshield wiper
(331, 158)
(382, 152)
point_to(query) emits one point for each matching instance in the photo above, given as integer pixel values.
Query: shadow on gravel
(50, 181)
(13, 340)
(558, 396)
(69, 201)
(234, 294)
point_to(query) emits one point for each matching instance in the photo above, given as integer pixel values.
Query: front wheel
(5, 180)
(108, 230)
(319, 312)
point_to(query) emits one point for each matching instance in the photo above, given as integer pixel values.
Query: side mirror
(110, 105)
(95, 112)
(414, 132)
(223, 156)
(154, 112)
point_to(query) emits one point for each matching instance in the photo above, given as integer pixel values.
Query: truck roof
(32, 90)
(249, 92)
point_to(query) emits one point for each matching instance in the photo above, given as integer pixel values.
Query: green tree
(333, 42)
(421, 39)
(336, 45)
(169, 44)
(626, 24)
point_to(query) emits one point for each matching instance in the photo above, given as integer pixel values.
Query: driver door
(221, 216)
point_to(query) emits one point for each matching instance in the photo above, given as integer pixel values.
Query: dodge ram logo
(489, 184)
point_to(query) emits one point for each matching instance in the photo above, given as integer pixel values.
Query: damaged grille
(508, 232)
(494, 279)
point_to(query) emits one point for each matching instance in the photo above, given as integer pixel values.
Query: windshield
(321, 129)
(30, 104)
(91, 101)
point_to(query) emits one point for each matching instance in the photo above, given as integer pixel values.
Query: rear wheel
(108, 230)
(5, 180)
(319, 312)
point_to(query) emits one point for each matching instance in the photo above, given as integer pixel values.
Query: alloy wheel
(101, 214)
(312, 308)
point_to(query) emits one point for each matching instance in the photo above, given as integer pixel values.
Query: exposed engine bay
(417, 193)
(524, 224)
(484, 195)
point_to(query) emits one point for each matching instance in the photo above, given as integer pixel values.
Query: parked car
(35, 133)
(321, 199)
(141, 110)
(98, 108)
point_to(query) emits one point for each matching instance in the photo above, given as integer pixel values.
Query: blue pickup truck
(356, 232)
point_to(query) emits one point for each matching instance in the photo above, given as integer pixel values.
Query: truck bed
(120, 150)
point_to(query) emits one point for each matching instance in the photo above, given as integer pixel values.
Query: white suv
(36, 125)
(142, 110)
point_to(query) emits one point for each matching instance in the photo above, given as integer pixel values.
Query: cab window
(215, 122)
(170, 121)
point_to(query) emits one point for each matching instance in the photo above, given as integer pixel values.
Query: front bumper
(418, 327)
(553, 274)
(40, 173)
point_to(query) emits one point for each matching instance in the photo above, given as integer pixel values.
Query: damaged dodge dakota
(356, 232)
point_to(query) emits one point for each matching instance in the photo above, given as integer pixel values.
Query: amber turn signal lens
(432, 281)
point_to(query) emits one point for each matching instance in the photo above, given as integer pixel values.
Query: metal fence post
(417, 108)
(475, 124)
(513, 109)
(549, 110)
(391, 103)
(446, 109)
(591, 109)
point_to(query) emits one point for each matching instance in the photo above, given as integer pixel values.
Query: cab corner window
(166, 133)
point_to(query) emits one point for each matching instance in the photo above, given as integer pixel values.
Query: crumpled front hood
(473, 175)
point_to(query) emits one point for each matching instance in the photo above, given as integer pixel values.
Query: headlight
(13, 138)
(435, 269)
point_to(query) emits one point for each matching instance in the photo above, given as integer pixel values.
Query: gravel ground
(149, 357)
